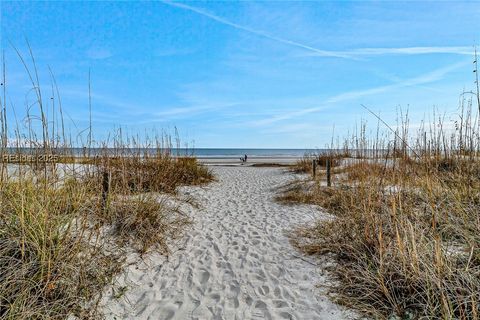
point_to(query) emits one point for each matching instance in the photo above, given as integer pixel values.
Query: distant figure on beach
(243, 159)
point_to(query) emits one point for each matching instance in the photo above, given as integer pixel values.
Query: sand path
(236, 262)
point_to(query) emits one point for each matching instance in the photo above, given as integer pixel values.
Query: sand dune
(235, 263)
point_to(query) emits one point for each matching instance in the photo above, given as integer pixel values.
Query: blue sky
(243, 74)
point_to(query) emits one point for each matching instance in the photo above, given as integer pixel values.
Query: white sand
(236, 263)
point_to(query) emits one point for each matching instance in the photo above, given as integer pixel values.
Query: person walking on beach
(245, 158)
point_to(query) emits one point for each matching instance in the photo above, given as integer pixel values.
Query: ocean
(250, 152)
(197, 152)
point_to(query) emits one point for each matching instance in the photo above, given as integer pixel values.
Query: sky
(240, 74)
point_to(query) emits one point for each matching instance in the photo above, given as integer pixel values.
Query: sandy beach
(252, 160)
(236, 261)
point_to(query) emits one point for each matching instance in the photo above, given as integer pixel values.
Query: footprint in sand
(236, 263)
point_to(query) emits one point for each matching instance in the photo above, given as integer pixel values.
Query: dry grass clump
(50, 265)
(314, 193)
(146, 221)
(399, 252)
(59, 247)
(405, 231)
(304, 165)
(64, 228)
(361, 170)
(161, 173)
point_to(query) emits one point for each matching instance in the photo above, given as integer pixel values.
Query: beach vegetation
(404, 223)
(72, 210)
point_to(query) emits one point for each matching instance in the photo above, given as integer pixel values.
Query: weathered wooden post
(314, 168)
(329, 179)
(105, 189)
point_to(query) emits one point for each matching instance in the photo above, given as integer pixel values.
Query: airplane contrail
(318, 52)
(349, 54)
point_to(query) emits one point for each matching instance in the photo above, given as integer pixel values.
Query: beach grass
(305, 164)
(51, 264)
(67, 220)
(405, 225)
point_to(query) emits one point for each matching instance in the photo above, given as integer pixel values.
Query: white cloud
(356, 94)
(413, 50)
(458, 50)
(187, 111)
(319, 52)
(312, 51)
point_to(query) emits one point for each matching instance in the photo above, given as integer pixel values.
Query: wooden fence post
(314, 168)
(105, 189)
(329, 178)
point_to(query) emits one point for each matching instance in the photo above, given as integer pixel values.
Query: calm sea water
(267, 153)
(198, 152)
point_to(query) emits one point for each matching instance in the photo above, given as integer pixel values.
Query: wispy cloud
(319, 52)
(188, 111)
(313, 51)
(288, 115)
(419, 80)
(465, 50)
(113, 103)
(429, 77)
(458, 50)
(133, 112)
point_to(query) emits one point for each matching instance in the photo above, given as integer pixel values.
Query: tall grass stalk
(60, 243)
(405, 231)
